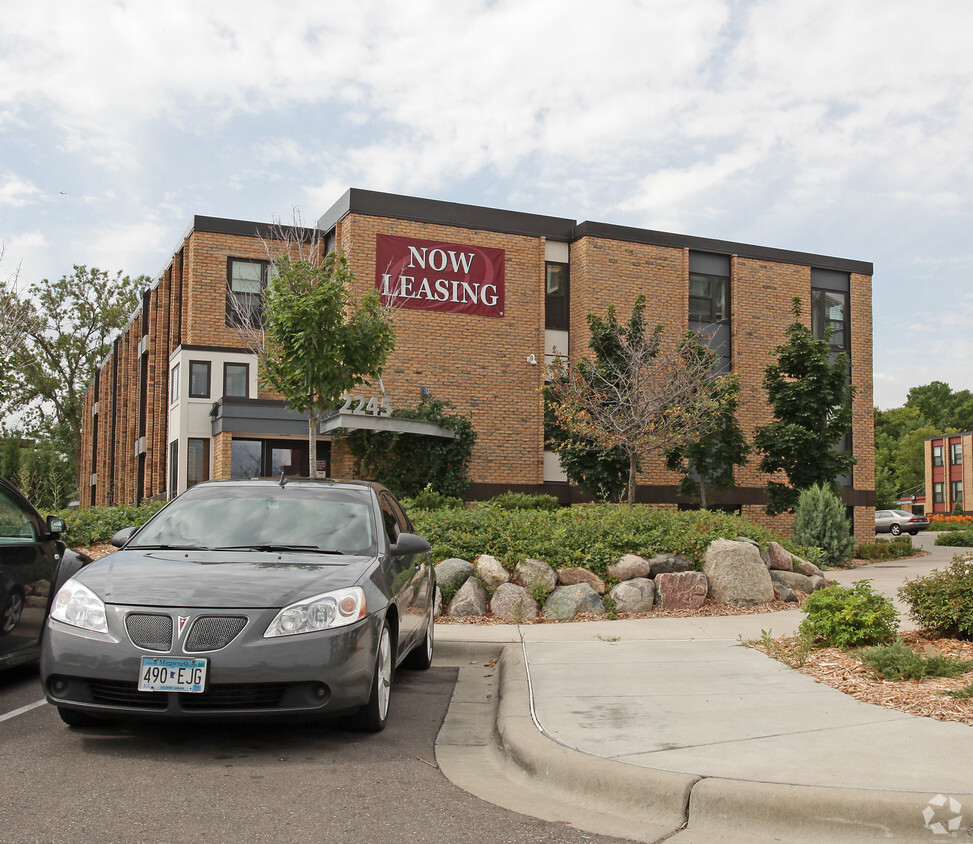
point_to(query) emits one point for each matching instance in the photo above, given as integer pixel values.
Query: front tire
(373, 716)
(420, 658)
(895, 530)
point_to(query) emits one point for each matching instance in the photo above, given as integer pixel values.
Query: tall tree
(68, 328)
(809, 393)
(710, 460)
(319, 343)
(645, 392)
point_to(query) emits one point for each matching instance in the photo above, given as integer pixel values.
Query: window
(937, 493)
(937, 455)
(174, 384)
(17, 524)
(245, 458)
(199, 379)
(556, 298)
(197, 461)
(708, 300)
(245, 282)
(956, 454)
(236, 379)
(829, 313)
(956, 492)
(173, 468)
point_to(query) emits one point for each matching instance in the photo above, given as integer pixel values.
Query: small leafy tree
(710, 460)
(68, 328)
(820, 522)
(812, 401)
(319, 343)
(645, 392)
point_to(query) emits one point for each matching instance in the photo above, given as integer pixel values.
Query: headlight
(78, 606)
(322, 612)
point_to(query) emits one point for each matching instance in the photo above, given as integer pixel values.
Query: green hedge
(883, 549)
(957, 538)
(91, 525)
(590, 536)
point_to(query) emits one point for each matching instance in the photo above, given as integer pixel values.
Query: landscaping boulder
(806, 568)
(453, 573)
(736, 574)
(793, 581)
(635, 595)
(571, 575)
(780, 558)
(437, 604)
(513, 603)
(668, 563)
(565, 602)
(535, 576)
(490, 571)
(471, 599)
(782, 593)
(818, 581)
(629, 566)
(685, 590)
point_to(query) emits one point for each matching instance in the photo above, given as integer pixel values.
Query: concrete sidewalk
(668, 728)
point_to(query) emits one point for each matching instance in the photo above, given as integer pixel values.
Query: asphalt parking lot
(213, 783)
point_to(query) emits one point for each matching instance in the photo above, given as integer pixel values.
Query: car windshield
(296, 518)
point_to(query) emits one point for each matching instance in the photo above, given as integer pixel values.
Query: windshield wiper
(312, 549)
(172, 547)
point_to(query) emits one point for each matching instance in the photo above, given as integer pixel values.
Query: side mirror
(55, 526)
(409, 543)
(120, 538)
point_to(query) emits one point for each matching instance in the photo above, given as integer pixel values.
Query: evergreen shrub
(848, 617)
(819, 520)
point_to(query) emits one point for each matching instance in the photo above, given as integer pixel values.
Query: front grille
(212, 632)
(236, 696)
(124, 693)
(150, 632)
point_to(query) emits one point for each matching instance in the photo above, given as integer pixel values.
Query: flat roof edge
(725, 247)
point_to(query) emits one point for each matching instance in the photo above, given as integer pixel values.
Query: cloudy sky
(842, 127)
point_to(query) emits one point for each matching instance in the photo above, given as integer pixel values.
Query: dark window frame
(718, 284)
(226, 366)
(956, 492)
(557, 306)
(208, 366)
(938, 492)
(937, 455)
(191, 480)
(232, 313)
(174, 383)
(956, 454)
(821, 322)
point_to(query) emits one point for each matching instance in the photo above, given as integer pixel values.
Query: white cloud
(16, 192)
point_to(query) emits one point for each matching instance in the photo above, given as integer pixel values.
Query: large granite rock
(453, 573)
(565, 602)
(668, 563)
(779, 557)
(471, 599)
(629, 566)
(635, 595)
(685, 590)
(513, 603)
(535, 576)
(490, 571)
(437, 604)
(571, 575)
(736, 574)
(793, 581)
(806, 568)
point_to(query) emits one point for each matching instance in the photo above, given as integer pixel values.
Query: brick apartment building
(949, 468)
(485, 296)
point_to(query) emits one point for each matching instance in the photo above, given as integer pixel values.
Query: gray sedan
(899, 521)
(246, 599)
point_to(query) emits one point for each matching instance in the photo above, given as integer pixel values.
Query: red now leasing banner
(431, 276)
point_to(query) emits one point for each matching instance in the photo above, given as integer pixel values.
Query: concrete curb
(680, 808)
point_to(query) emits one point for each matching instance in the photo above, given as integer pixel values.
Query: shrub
(943, 599)
(523, 501)
(819, 520)
(90, 525)
(882, 549)
(958, 538)
(429, 499)
(898, 661)
(848, 617)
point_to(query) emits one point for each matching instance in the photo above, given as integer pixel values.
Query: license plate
(172, 674)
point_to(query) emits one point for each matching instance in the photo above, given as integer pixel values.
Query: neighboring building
(484, 298)
(949, 470)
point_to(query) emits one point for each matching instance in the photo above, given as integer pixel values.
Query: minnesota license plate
(172, 674)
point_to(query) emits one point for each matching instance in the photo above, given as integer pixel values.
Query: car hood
(216, 579)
